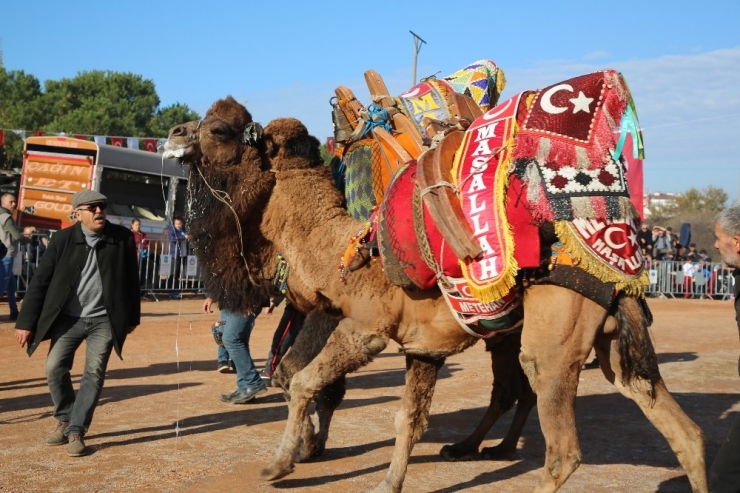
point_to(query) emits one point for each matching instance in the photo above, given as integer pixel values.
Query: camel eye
(222, 133)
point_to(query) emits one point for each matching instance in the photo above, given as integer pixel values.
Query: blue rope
(377, 117)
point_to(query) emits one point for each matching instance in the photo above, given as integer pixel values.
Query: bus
(138, 184)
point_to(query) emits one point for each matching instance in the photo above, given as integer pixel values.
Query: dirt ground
(161, 427)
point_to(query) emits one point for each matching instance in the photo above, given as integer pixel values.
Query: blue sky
(284, 58)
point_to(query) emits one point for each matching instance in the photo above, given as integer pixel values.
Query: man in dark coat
(86, 288)
(724, 475)
(645, 240)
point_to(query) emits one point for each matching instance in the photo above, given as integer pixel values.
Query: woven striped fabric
(361, 161)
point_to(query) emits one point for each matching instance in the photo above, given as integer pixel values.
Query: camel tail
(636, 351)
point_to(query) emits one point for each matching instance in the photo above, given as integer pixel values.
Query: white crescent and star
(580, 103)
(608, 238)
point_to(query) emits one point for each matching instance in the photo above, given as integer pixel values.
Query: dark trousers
(286, 332)
(173, 283)
(724, 474)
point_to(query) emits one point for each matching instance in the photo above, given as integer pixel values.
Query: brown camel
(284, 201)
(510, 386)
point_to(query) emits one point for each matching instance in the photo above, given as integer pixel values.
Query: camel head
(288, 145)
(234, 166)
(220, 139)
(227, 136)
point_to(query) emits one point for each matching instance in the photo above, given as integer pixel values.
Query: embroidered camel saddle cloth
(447, 218)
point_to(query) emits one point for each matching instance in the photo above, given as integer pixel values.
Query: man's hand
(131, 329)
(23, 337)
(271, 308)
(208, 305)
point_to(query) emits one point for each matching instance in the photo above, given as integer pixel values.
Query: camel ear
(252, 133)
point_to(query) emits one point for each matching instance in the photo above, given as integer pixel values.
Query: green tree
(101, 103)
(91, 103)
(20, 108)
(325, 155)
(710, 199)
(695, 207)
(166, 118)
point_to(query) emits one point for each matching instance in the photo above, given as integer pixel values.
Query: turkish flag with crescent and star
(150, 145)
(568, 108)
(613, 241)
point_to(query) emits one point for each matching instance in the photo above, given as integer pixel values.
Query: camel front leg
(559, 330)
(316, 330)
(350, 347)
(327, 401)
(411, 419)
(510, 385)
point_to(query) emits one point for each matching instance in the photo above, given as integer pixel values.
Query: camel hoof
(497, 453)
(271, 473)
(312, 450)
(458, 452)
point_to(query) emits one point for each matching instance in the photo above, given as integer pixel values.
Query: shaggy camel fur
(289, 206)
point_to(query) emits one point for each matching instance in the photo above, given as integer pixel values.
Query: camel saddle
(478, 207)
(373, 143)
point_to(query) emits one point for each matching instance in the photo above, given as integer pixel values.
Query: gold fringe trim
(500, 84)
(596, 267)
(500, 288)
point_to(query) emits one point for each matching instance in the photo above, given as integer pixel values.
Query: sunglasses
(93, 207)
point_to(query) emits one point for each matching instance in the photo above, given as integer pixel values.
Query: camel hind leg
(683, 435)
(411, 419)
(559, 331)
(349, 347)
(510, 385)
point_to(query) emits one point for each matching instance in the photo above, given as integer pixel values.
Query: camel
(271, 183)
(510, 386)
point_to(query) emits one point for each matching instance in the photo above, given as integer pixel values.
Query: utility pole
(417, 47)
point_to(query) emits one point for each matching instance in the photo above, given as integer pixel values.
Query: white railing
(163, 267)
(673, 279)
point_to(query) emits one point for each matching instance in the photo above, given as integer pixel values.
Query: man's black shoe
(244, 396)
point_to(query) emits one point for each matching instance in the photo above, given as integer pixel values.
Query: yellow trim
(596, 267)
(507, 280)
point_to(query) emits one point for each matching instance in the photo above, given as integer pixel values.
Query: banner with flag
(150, 145)
(634, 174)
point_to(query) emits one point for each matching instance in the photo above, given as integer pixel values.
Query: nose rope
(225, 199)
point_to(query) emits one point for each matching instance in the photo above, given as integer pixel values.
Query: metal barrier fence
(680, 279)
(164, 266)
